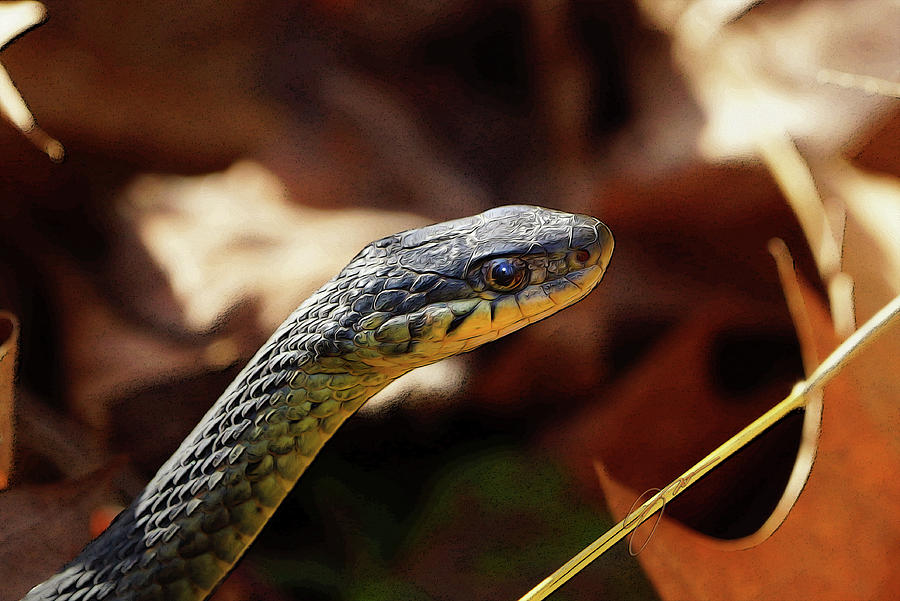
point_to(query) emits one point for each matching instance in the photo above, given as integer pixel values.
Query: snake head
(425, 294)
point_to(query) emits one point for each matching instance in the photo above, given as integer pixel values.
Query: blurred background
(224, 159)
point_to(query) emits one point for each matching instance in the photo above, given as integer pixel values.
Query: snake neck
(208, 502)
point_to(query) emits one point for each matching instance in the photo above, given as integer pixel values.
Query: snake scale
(404, 301)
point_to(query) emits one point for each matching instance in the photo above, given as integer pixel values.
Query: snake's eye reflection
(505, 275)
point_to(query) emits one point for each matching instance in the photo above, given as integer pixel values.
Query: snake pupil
(505, 274)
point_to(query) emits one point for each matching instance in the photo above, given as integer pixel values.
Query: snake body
(404, 301)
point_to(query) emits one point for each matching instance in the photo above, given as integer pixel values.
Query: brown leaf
(9, 342)
(753, 67)
(15, 18)
(225, 237)
(107, 355)
(684, 397)
(839, 541)
(871, 257)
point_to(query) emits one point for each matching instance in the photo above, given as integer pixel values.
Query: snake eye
(505, 275)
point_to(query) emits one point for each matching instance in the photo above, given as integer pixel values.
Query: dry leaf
(839, 541)
(871, 257)
(699, 385)
(236, 235)
(9, 340)
(227, 252)
(753, 67)
(18, 17)
(15, 18)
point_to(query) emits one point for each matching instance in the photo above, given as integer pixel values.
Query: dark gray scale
(342, 309)
(180, 477)
(582, 236)
(309, 345)
(67, 581)
(424, 282)
(363, 305)
(439, 231)
(326, 348)
(199, 448)
(374, 286)
(283, 367)
(379, 245)
(494, 248)
(298, 343)
(412, 303)
(256, 388)
(349, 319)
(400, 282)
(344, 334)
(388, 300)
(344, 283)
(449, 289)
(448, 259)
(328, 328)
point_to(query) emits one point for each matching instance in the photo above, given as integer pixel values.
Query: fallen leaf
(841, 538)
(871, 257)
(107, 357)
(753, 68)
(16, 18)
(9, 339)
(226, 237)
(699, 384)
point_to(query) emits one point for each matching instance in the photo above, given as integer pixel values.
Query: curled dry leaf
(15, 18)
(233, 236)
(9, 340)
(757, 71)
(871, 258)
(753, 67)
(838, 542)
(663, 417)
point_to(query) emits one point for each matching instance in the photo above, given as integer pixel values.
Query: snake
(404, 301)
